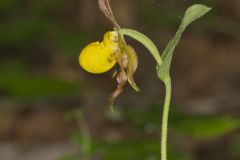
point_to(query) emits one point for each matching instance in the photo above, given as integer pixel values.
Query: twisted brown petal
(123, 61)
(121, 79)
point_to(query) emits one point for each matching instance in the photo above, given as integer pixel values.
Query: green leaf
(193, 12)
(145, 41)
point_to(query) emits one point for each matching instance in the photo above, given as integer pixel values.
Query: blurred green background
(42, 86)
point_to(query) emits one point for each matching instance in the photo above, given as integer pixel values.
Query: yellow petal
(100, 57)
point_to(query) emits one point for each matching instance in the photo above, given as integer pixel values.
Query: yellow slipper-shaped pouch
(100, 57)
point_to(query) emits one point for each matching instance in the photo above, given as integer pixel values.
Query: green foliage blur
(144, 123)
(25, 42)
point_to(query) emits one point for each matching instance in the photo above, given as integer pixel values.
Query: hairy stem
(166, 106)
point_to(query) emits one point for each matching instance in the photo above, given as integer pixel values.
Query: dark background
(48, 103)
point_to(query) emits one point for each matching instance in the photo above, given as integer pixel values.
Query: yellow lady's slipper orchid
(100, 57)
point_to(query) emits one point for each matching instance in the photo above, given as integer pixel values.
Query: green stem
(86, 137)
(165, 119)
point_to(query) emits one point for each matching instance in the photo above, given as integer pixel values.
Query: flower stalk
(168, 88)
(127, 59)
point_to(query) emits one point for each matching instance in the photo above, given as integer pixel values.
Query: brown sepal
(105, 7)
